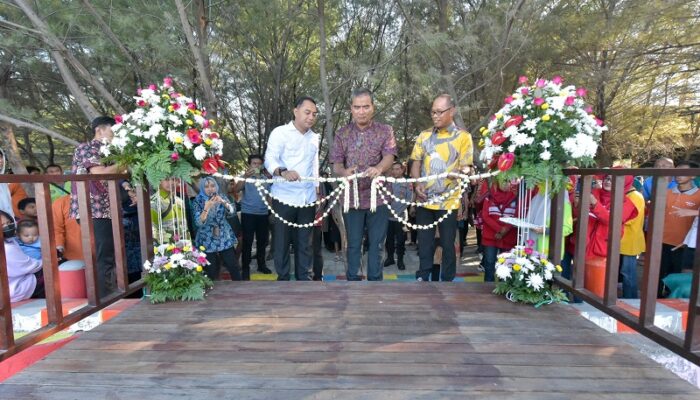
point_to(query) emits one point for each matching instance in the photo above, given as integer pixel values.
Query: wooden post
(612, 267)
(87, 233)
(52, 279)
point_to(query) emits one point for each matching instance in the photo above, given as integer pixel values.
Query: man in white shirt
(292, 153)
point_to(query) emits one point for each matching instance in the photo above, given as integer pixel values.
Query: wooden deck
(270, 340)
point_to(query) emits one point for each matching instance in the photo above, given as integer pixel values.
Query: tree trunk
(446, 74)
(199, 58)
(13, 159)
(24, 124)
(58, 47)
(324, 81)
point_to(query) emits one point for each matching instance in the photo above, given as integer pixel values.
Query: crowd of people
(228, 217)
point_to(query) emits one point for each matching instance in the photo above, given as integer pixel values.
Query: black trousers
(104, 254)
(395, 240)
(228, 257)
(284, 235)
(426, 243)
(317, 249)
(254, 226)
(671, 263)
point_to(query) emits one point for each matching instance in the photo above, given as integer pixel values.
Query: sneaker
(264, 270)
(419, 279)
(480, 268)
(400, 264)
(388, 262)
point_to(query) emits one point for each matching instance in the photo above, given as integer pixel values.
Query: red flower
(118, 119)
(141, 103)
(194, 136)
(192, 106)
(177, 250)
(493, 164)
(498, 138)
(210, 165)
(176, 106)
(213, 135)
(514, 121)
(505, 161)
(175, 156)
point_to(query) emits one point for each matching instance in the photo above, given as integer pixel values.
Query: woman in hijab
(598, 225)
(24, 274)
(213, 230)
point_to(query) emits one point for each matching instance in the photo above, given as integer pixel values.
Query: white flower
(147, 265)
(503, 272)
(521, 261)
(535, 281)
(177, 257)
(200, 153)
(545, 143)
(105, 151)
(173, 135)
(139, 144)
(546, 155)
(187, 143)
(548, 275)
(531, 124)
(511, 148)
(510, 131)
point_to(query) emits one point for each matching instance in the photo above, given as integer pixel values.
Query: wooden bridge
(360, 340)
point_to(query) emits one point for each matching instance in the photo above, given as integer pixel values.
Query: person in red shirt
(598, 225)
(497, 236)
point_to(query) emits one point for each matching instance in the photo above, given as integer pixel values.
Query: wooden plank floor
(270, 340)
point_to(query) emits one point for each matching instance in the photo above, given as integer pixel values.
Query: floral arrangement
(540, 129)
(526, 275)
(167, 135)
(177, 273)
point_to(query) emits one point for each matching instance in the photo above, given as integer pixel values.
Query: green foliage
(177, 284)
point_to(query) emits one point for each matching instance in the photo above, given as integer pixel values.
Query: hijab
(202, 195)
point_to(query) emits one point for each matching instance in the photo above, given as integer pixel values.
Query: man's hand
(290, 175)
(250, 172)
(420, 192)
(684, 212)
(372, 172)
(349, 171)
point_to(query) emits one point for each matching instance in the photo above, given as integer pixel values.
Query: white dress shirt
(296, 151)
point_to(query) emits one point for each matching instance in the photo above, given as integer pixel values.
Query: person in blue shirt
(213, 230)
(254, 216)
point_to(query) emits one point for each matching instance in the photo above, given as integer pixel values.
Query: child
(28, 238)
(27, 209)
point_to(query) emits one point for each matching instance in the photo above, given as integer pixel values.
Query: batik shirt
(86, 156)
(444, 150)
(363, 148)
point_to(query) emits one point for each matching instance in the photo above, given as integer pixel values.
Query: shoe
(480, 268)
(419, 279)
(389, 261)
(264, 270)
(400, 264)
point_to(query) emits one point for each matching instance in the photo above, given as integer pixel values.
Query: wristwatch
(280, 170)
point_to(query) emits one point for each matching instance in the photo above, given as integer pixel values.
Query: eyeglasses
(439, 112)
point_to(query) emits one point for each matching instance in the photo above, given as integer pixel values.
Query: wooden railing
(57, 321)
(687, 347)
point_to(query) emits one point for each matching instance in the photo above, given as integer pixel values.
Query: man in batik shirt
(442, 148)
(86, 160)
(364, 146)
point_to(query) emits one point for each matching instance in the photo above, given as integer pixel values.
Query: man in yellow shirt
(442, 148)
(633, 243)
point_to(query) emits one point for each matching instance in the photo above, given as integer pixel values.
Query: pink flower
(528, 250)
(588, 109)
(530, 242)
(493, 118)
(514, 121)
(167, 82)
(540, 83)
(141, 103)
(138, 91)
(205, 124)
(581, 92)
(176, 237)
(508, 99)
(569, 101)
(538, 101)
(525, 91)
(599, 121)
(202, 260)
(213, 135)
(192, 106)
(177, 250)
(194, 136)
(557, 80)
(152, 86)
(175, 156)
(204, 113)
(176, 106)
(522, 80)
(118, 119)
